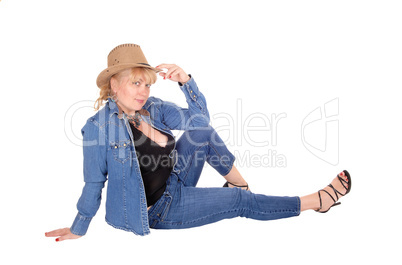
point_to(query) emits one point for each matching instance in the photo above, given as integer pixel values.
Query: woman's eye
(138, 83)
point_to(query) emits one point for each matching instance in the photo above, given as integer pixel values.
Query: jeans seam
(192, 158)
(234, 210)
(198, 219)
(189, 165)
(228, 166)
(298, 205)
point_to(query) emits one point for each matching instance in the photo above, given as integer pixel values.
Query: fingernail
(164, 77)
(170, 76)
(57, 240)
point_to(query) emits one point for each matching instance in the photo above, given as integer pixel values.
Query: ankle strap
(238, 186)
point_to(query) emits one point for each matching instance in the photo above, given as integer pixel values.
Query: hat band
(144, 64)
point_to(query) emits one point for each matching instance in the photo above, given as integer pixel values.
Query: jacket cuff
(80, 225)
(190, 89)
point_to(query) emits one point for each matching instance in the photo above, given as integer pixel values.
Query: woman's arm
(95, 172)
(196, 115)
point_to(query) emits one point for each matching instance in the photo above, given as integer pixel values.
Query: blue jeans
(183, 205)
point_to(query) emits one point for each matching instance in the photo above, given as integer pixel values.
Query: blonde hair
(134, 75)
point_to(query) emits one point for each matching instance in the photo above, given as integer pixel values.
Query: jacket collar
(112, 107)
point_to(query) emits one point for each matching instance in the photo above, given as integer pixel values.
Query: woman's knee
(202, 135)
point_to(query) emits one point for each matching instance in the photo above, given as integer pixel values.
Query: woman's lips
(140, 101)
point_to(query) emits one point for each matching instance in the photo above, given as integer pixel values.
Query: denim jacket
(109, 154)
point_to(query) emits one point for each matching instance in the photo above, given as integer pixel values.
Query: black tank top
(155, 163)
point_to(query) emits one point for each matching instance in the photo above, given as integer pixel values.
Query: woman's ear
(114, 84)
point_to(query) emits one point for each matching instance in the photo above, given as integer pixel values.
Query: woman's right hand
(62, 234)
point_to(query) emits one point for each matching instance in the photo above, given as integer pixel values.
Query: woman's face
(131, 95)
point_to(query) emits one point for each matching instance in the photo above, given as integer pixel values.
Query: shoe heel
(335, 204)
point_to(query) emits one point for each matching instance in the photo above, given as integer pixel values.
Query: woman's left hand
(174, 73)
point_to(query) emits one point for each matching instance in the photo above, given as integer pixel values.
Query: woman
(151, 177)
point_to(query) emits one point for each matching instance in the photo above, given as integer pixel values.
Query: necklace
(135, 119)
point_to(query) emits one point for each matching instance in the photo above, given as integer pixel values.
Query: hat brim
(105, 75)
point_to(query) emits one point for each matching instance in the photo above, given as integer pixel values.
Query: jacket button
(115, 147)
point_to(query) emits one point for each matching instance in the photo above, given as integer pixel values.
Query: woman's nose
(143, 89)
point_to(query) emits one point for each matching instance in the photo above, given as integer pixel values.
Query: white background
(274, 56)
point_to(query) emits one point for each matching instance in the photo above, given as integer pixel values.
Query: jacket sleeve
(195, 116)
(95, 172)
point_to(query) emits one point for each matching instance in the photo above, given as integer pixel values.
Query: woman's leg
(197, 146)
(187, 206)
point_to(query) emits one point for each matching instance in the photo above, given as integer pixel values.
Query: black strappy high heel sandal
(226, 185)
(349, 183)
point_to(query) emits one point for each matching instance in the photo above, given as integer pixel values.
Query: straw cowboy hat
(120, 58)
